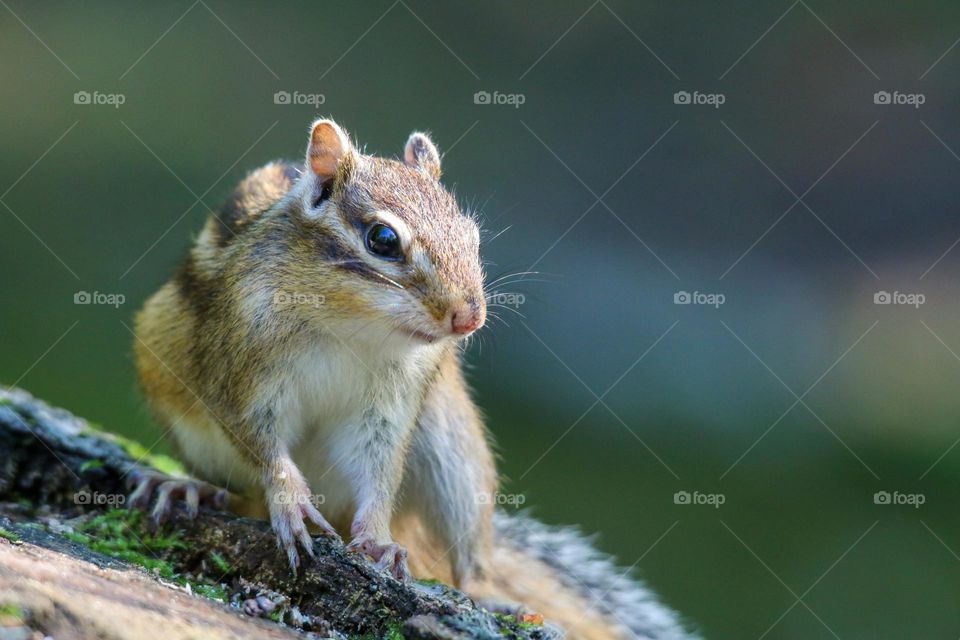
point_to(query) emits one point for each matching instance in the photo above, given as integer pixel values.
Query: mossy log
(59, 480)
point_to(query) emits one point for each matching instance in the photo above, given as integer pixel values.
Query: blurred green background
(693, 198)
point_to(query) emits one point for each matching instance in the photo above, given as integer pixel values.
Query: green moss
(510, 626)
(91, 464)
(93, 430)
(214, 592)
(275, 616)
(77, 537)
(124, 527)
(136, 450)
(430, 582)
(393, 632)
(9, 535)
(158, 461)
(219, 563)
(12, 611)
(120, 533)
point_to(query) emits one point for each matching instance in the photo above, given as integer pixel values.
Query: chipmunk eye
(384, 242)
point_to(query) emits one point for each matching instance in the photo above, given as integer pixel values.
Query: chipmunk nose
(467, 317)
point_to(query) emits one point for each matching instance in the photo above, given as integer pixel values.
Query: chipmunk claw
(394, 562)
(389, 556)
(289, 522)
(313, 515)
(162, 491)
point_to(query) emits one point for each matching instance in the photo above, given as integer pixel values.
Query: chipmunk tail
(582, 594)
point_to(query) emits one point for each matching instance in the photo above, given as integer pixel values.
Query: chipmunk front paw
(290, 508)
(151, 486)
(389, 556)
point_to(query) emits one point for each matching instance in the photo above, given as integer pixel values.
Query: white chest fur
(340, 406)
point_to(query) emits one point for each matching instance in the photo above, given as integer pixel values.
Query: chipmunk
(306, 357)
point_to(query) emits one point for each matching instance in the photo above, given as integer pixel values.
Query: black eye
(384, 241)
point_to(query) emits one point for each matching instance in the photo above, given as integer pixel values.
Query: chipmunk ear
(329, 148)
(420, 153)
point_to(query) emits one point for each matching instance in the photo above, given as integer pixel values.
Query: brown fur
(204, 348)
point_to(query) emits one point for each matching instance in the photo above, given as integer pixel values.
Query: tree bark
(53, 468)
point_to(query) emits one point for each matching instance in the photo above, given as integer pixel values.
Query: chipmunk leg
(450, 476)
(375, 452)
(291, 506)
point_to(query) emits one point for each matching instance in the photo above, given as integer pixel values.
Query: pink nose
(466, 318)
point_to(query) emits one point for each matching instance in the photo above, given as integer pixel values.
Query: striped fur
(285, 360)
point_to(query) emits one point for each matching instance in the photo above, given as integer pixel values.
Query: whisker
(512, 275)
(499, 233)
(501, 306)
(507, 283)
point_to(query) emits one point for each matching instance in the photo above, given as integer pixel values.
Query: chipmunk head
(408, 255)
